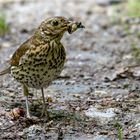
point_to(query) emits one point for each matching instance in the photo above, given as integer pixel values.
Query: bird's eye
(54, 23)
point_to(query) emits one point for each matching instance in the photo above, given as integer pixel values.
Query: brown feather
(14, 61)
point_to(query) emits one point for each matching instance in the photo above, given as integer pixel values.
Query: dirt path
(100, 99)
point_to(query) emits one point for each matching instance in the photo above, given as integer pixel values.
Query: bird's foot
(28, 115)
(45, 112)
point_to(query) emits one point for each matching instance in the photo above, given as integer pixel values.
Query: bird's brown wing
(14, 61)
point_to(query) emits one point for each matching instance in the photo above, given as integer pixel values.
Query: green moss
(133, 8)
(3, 25)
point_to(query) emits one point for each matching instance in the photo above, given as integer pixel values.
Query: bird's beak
(73, 26)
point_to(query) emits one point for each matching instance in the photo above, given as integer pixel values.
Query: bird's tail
(5, 71)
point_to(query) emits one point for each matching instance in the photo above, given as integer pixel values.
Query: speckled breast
(40, 65)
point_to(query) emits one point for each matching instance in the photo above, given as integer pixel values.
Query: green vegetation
(133, 8)
(135, 51)
(126, 28)
(119, 130)
(3, 25)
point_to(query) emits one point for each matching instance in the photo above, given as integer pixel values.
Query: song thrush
(40, 59)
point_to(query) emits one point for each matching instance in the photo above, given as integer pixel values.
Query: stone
(102, 116)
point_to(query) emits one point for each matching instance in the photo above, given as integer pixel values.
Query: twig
(63, 77)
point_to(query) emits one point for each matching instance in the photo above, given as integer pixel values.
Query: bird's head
(55, 27)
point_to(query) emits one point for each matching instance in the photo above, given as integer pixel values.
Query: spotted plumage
(40, 59)
(39, 67)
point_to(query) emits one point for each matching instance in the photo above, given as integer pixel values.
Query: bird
(40, 59)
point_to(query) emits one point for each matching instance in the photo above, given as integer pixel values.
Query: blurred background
(98, 64)
(19, 18)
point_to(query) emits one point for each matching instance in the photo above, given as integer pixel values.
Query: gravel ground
(98, 97)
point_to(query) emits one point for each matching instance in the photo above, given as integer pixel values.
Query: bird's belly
(37, 76)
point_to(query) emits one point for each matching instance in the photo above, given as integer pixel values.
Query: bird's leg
(44, 110)
(26, 93)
